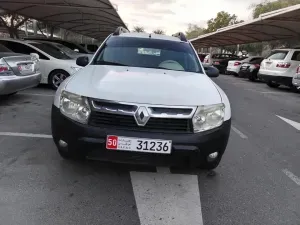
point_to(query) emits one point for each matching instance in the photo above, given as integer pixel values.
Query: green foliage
(158, 31)
(194, 31)
(269, 6)
(138, 29)
(223, 19)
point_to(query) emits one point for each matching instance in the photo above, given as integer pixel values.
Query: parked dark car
(220, 61)
(250, 70)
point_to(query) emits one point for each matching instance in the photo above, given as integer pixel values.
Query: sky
(173, 16)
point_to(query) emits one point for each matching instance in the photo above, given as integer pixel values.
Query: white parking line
(269, 92)
(25, 135)
(32, 94)
(167, 199)
(292, 176)
(243, 136)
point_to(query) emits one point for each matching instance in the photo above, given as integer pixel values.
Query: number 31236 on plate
(138, 144)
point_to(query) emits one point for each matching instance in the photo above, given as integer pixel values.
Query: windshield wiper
(109, 63)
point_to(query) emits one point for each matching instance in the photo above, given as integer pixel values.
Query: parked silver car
(17, 71)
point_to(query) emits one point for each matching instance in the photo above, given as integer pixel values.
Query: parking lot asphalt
(257, 182)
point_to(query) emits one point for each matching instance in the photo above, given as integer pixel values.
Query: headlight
(208, 117)
(75, 107)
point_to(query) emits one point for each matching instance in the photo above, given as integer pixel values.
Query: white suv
(279, 67)
(143, 98)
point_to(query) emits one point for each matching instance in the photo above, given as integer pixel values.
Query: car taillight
(5, 70)
(237, 63)
(257, 65)
(283, 65)
(298, 70)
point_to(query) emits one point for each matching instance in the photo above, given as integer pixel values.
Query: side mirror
(211, 71)
(76, 50)
(82, 61)
(35, 56)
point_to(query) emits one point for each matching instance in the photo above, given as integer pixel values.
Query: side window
(296, 56)
(277, 55)
(24, 49)
(253, 59)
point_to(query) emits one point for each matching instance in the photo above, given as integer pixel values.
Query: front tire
(56, 77)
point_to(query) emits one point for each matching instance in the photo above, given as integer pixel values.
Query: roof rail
(120, 30)
(181, 36)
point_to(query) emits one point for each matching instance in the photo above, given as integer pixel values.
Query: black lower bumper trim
(287, 81)
(92, 140)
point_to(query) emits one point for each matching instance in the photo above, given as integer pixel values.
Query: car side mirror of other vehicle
(82, 61)
(211, 71)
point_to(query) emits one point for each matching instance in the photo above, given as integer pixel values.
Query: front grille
(101, 119)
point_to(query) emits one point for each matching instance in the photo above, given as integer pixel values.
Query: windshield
(51, 50)
(148, 53)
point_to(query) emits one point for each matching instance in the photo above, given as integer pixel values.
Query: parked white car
(145, 98)
(279, 67)
(234, 66)
(55, 66)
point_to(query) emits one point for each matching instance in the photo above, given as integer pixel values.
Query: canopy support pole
(26, 29)
(35, 27)
(237, 49)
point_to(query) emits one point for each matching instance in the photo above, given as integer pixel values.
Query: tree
(139, 29)
(269, 6)
(194, 31)
(158, 31)
(12, 22)
(223, 19)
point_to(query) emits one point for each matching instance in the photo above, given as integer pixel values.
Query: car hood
(142, 85)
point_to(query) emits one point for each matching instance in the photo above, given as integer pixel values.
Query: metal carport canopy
(92, 18)
(276, 25)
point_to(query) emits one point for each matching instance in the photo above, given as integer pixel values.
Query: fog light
(212, 156)
(63, 144)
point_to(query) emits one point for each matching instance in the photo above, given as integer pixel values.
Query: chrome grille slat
(122, 115)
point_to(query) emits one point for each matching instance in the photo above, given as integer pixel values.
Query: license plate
(243, 67)
(25, 68)
(268, 64)
(138, 144)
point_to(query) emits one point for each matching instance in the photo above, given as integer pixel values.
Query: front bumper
(11, 84)
(287, 81)
(187, 147)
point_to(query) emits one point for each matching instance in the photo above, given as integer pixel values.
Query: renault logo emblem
(141, 116)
